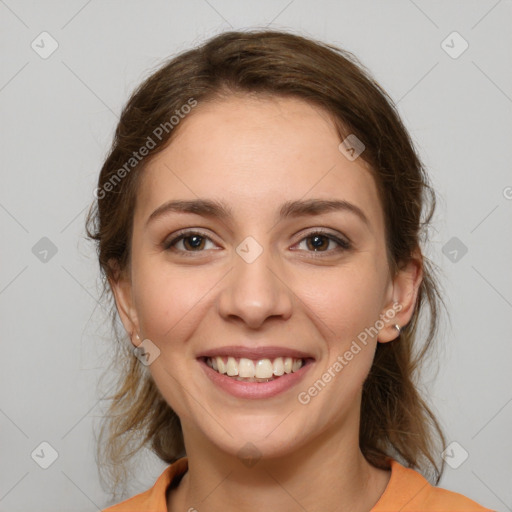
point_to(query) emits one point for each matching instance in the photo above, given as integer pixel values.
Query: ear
(403, 292)
(121, 287)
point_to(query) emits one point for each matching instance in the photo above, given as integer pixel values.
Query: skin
(254, 154)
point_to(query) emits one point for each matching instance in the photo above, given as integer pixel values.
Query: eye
(191, 241)
(196, 241)
(321, 240)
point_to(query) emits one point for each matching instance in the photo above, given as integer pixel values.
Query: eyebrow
(218, 209)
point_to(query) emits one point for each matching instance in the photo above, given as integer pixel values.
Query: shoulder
(409, 491)
(155, 498)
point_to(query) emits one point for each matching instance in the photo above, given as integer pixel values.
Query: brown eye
(319, 242)
(194, 242)
(191, 241)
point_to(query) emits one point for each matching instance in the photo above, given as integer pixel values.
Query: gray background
(58, 116)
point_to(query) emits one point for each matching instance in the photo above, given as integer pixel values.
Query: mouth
(255, 370)
(255, 373)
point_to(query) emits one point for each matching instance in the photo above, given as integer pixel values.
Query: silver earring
(397, 327)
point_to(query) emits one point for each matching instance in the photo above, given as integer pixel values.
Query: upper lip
(255, 353)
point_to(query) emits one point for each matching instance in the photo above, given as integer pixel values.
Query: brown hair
(395, 419)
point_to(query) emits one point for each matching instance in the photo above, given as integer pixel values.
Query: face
(269, 279)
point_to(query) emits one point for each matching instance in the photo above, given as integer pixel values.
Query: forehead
(257, 152)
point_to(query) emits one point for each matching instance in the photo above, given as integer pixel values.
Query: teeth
(278, 366)
(264, 369)
(297, 363)
(221, 367)
(248, 369)
(231, 367)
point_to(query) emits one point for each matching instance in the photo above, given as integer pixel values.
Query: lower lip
(254, 390)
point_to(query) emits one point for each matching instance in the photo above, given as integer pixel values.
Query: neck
(327, 473)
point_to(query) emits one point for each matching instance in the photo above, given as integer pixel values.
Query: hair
(395, 419)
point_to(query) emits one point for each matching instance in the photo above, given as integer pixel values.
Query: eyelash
(343, 245)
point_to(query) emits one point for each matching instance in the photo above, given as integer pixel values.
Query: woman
(259, 222)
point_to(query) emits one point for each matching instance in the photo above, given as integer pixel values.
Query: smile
(249, 370)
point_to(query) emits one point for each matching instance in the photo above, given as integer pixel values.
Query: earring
(397, 327)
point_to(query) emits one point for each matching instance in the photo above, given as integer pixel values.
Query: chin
(262, 437)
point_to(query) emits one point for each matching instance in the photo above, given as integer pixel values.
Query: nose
(254, 292)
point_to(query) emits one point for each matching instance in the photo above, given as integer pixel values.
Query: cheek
(345, 301)
(169, 300)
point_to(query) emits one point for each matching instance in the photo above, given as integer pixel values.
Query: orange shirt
(407, 491)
